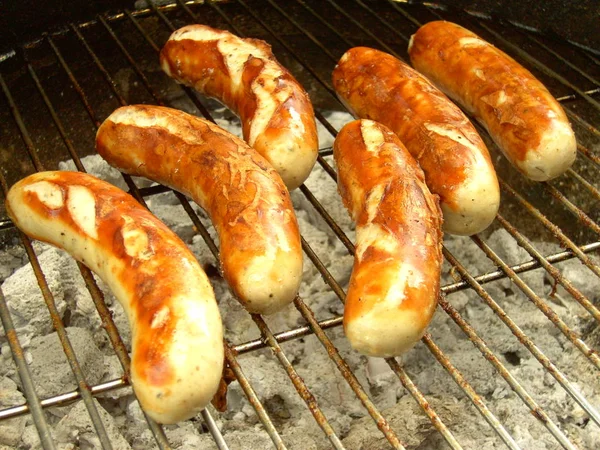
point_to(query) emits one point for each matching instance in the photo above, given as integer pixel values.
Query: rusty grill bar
(398, 21)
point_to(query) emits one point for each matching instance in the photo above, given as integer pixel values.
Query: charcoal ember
(12, 258)
(249, 439)
(135, 425)
(76, 429)
(188, 436)
(581, 278)
(49, 366)
(24, 297)
(408, 422)
(11, 430)
(30, 439)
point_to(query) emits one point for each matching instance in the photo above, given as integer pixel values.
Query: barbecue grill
(57, 89)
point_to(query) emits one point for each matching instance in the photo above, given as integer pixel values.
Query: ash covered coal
(240, 424)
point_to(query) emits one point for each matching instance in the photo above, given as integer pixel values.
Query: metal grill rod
(347, 373)
(63, 399)
(591, 189)
(302, 389)
(576, 211)
(573, 97)
(252, 397)
(460, 380)
(564, 61)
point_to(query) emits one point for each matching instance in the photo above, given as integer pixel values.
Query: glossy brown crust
(406, 214)
(201, 65)
(509, 101)
(246, 200)
(152, 283)
(375, 85)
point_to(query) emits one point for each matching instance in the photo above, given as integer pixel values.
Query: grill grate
(309, 37)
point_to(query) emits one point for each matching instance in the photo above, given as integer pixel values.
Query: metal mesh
(83, 62)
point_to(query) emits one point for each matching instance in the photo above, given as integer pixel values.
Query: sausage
(526, 122)
(250, 207)
(375, 85)
(395, 281)
(177, 336)
(276, 113)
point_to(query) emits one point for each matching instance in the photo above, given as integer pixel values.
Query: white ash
(11, 430)
(77, 428)
(240, 424)
(49, 366)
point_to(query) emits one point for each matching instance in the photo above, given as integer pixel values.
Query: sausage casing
(527, 123)
(394, 284)
(250, 207)
(177, 336)
(276, 112)
(375, 85)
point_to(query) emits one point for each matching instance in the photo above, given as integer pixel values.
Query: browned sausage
(249, 206)
(457, 165)
(276, 113)
(177, 337)
(395, 280)
(522, 117)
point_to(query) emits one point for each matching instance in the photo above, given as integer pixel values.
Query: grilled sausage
(527, 123)
(276, 113)
(177, 337)
(249, 206)
(394, 285)
(375, 85)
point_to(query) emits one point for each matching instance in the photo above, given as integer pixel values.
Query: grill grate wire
(271, 340)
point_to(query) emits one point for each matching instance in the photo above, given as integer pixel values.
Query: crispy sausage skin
(522, 117)
(394, 285)
(375, 85)
(276, 112)
(177, 337)
(250, 207)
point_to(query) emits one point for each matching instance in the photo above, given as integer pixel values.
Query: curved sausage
(177, 337)
(276, 113)
(395, 281)
(375, 85)
(522, 117)
(260, 250)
